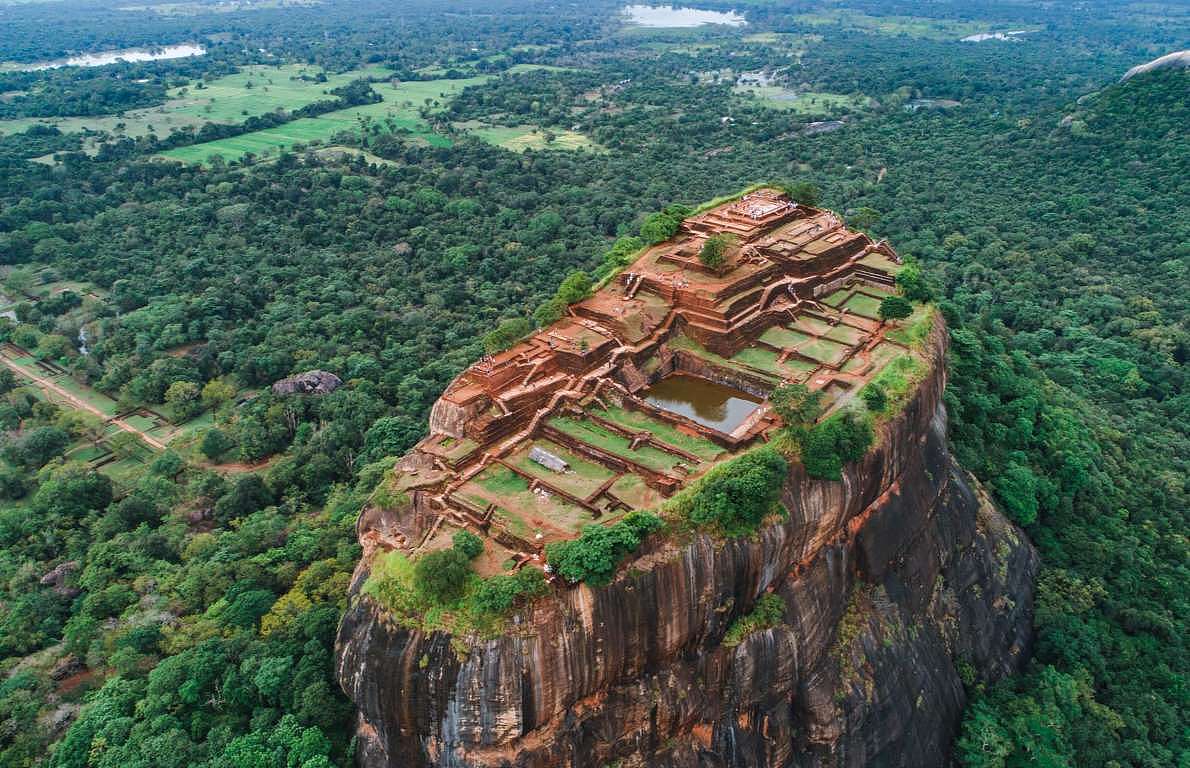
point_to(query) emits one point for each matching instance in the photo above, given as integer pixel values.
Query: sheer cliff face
(898, 582)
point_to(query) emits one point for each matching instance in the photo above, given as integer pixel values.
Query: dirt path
(81, 404)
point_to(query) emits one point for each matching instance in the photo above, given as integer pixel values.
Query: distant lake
(180, 51)
(670, 17)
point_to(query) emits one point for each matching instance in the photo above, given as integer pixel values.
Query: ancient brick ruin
(529, 445)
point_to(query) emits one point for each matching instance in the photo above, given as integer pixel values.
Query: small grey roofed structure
(548, 460)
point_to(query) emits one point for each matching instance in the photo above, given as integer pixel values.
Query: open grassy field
(335, 152)
(399, 110)
(803, 103)
(912, 26)
(518, 138)
(254, 91)
(257, 90)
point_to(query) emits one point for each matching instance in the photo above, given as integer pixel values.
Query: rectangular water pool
(717, 406)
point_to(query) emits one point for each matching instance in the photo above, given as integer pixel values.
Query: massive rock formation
(899, 582)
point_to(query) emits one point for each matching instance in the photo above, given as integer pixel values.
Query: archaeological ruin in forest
(660, 374)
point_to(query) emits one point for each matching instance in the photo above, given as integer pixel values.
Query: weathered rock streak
(897, 581)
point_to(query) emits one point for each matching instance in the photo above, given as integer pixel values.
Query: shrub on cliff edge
(497, 595)
(736, 496)
(832, 443)
(594, 555)
(441, 576)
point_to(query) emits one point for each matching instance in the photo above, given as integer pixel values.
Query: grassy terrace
(523, 511)
(584, 478)
(765, 360)
(845, 334)
(457, 449)
(28, 366)
(661, 430)
(824, 351)
(617, 445)
(864, 305)
(632, 490)
(915, 328)
(837, 298)
(779, 336)
(685, 343)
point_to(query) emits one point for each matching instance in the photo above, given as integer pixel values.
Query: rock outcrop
(899, 582)
(61, 579)
(309, 383)
(1175, 60)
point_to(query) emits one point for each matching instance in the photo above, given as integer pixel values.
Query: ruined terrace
(645, 385)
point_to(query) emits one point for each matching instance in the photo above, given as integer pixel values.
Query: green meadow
(803, 103)
(518, 138)
(255, 90)
(911, 26)
(400, 110)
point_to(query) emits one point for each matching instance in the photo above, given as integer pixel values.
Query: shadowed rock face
(894, 580)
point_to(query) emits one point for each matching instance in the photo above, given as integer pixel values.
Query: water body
(670, 17)
(180, 51)
(717, 406)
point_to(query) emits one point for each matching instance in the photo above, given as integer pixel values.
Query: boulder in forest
(309, 383)
(58, 576)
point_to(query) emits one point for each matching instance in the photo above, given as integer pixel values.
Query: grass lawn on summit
(864, 305)
(615, 444)
(783, 337)
(582, 479)
(661, 430)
